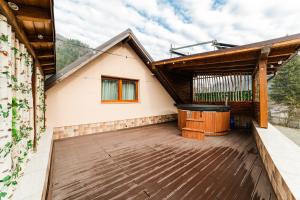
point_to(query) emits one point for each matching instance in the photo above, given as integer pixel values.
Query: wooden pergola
(33, 23)
(182, 75)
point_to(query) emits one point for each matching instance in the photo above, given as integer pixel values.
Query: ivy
(4, 113)
(6, 73)
(4, 38)
(14, 79)
(6, 149)
(11, 179)
(15, 50)
(24, 88)
(29, 144)
(2, 195)
(6, 178)
(18, 146)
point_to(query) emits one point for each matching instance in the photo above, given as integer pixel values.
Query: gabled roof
(126, 36)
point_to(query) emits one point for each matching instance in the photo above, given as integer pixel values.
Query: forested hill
(68, 50)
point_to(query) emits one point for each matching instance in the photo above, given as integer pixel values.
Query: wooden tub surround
(197, 121)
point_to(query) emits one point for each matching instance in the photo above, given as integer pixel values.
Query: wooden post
(263, 94)
(33, 88)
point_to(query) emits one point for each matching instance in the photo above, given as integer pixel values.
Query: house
(118, 86)
(111, 88)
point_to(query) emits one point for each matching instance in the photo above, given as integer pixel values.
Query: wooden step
(195, 124)
(193, 129)
(217, 134)
(195, 120)
(192, 133)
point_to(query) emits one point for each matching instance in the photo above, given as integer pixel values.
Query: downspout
(271, 77)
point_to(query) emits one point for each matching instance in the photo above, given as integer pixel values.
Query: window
(119, 90)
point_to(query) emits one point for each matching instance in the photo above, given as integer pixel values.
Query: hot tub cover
(198, 107)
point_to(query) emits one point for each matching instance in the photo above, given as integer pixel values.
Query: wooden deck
(154, 162)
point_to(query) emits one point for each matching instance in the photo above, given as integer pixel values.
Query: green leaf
(14, 182)
(5, 114)
(6, 178)
(29, 144)
(4, 38)
(2, 194)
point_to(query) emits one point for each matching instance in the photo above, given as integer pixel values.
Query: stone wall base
(280, 187)
(86, 129)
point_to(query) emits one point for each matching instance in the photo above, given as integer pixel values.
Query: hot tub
(197, 121)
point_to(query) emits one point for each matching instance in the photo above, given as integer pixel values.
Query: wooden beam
(250, 69)
(41, 43)
(293, 40)
(283, 51)
(49, 72)
(230, 63)
(53, 30)
(228, 70)
(5, 10)
(48, 68)
(166, 83)
(263, 94)
(215, 61)
(34, 38)
(46, 60)
(46, 64)
(212, 67)
(264, 53)
(45, 54)
(32, 13)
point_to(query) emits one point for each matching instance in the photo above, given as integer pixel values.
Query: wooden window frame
(120, 81)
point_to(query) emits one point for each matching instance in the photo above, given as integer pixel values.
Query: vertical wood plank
(228, 88)
(241, 86)
(191, 89)
(253, 87)
(182, 115)
(263, 94)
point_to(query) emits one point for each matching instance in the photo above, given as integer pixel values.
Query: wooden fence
(215, 88)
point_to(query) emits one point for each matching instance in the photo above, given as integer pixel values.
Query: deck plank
(154, 162)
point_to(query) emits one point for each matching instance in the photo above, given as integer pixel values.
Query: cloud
(160, 23)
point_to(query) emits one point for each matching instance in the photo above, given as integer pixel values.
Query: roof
(33, 23)
(126, 36)
(237, 59)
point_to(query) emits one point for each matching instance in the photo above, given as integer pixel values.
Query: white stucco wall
(77, 99)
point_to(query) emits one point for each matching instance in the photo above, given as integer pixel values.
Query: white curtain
(109, 89)
(128, 90)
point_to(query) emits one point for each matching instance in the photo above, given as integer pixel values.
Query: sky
(160, 23)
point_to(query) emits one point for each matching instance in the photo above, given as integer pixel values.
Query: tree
(69, 50)
(285, 88)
